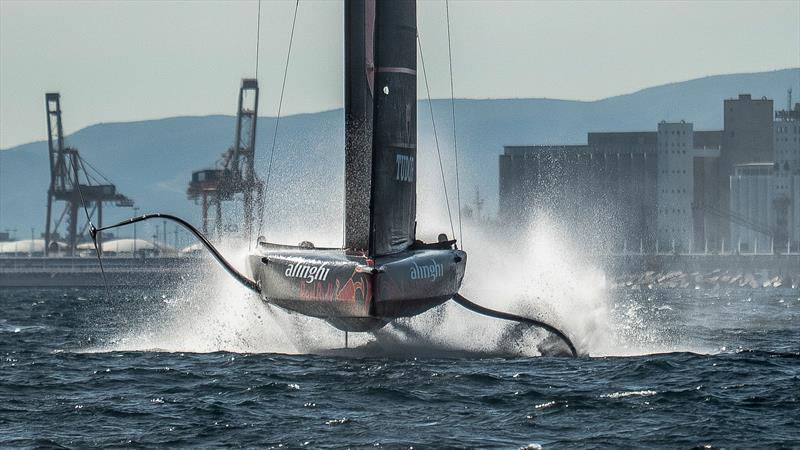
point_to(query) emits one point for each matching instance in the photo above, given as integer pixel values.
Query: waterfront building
(669, 189)
(706, 214)
(751, 194)
(786, 176)
(746, 138)
(607, 184)
(674, 185)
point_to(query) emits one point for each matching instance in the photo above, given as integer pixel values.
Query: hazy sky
(120, 61)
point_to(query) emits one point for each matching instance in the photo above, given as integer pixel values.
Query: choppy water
(78, 370)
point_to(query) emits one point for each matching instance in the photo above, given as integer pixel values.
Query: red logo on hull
(356, 289)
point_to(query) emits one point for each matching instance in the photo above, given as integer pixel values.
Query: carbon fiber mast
(380, 125)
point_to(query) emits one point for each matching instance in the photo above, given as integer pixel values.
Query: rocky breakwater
(707, 280)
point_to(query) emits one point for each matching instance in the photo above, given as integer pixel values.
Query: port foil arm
(507, 316)
(247, 282)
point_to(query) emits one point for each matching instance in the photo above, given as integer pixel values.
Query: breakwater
(704, 271)
(85, 272)
(679, 271)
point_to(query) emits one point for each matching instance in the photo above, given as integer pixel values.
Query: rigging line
(435, 136)
(258, 35)
(95, 170)
(278, 118)
(91, 213)
(453, 106)
(90, 178)
(258, 39)
(60, 218)
(92, 229)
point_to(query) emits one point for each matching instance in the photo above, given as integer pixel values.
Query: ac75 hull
(352, 291)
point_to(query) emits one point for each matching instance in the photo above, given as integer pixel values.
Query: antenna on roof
(258, 36)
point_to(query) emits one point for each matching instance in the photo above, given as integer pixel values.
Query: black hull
(352, 291)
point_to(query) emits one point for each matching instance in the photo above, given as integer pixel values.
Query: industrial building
(585, 185)
(786, 176)
(675, 189)
(674, 184)
(751, 193)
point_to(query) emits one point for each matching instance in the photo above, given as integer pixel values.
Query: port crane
(235, 171)
(67, 186)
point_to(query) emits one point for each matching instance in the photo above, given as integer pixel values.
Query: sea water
(154, 368)
(205, 363)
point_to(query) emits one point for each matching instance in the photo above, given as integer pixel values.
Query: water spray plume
(543, 278)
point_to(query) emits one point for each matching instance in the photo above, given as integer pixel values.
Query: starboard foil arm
(508, 316)
(245, 281)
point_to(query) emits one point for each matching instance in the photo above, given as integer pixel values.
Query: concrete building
(786, 201)
(707, 219)
(674, 185)
(764, 196)
(751, 194)
(607, 184)
(634, 173)
(746, 138)
(793, 222)
(671, 188)
(614, 183)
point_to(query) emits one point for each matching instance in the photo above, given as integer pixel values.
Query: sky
(136, 60)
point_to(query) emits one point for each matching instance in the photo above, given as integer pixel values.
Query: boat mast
(380, 125)
(359, 84)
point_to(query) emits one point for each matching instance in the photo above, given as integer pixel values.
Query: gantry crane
(235, 171)
(66, 167)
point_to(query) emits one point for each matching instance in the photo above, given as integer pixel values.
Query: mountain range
(151, 161)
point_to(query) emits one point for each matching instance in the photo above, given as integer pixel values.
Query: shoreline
(716, 279)
(622, 271)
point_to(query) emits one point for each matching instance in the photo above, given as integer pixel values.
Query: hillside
(151, 161)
